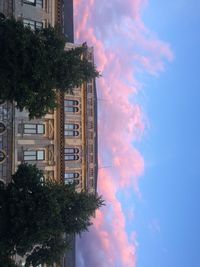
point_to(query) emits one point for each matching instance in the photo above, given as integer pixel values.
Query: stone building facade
(63, 143)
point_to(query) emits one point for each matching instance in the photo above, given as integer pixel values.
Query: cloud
(107, 240)
(123, 47)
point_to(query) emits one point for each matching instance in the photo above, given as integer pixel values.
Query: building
(63, 143)
(36, 14)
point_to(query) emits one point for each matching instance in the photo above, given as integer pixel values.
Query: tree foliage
(34, 215)
(34, 63)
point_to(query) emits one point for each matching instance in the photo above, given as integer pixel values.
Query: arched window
(71, 180)
(76, 175)
(72, 177)
(71, 109)
(71, 157)
(2, 156)
(71, 102)
(2, 127)
(71, 150)
(71, 154)
(71, 105)
(71, 126)
(71, 133)
(69, 175)
(71, 129)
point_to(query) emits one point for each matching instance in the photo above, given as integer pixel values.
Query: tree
(35, 214)
(34, 63)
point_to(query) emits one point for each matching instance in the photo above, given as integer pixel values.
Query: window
(71, 129)
(71, 109)
(71, 133)
(30, 2)
(2, 127)
(69, 175)
(2, 156)
(71, 126)
(71, 105)
(71, 150)
(34, 128)
(34, 155)
(71, 180)
(71, 157)
(33, 24)
(71, 154)
(71, 102)
(38, 3)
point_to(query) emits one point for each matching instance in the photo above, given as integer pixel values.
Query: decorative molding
(50, 129)
(51, 155)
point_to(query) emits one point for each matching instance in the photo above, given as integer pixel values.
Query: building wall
(36, 10)
(23, 139)
(86, 118)
(49, 142)
(6, 7)
(74, 138)
(37, 136)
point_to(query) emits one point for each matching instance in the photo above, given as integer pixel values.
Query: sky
(148, 54)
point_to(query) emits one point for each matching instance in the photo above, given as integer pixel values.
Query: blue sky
(159, 225)
(167, 218)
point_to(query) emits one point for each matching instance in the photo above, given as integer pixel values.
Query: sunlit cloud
(123, 47)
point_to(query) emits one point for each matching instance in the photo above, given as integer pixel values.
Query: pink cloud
(123, 46)
(107, 240)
